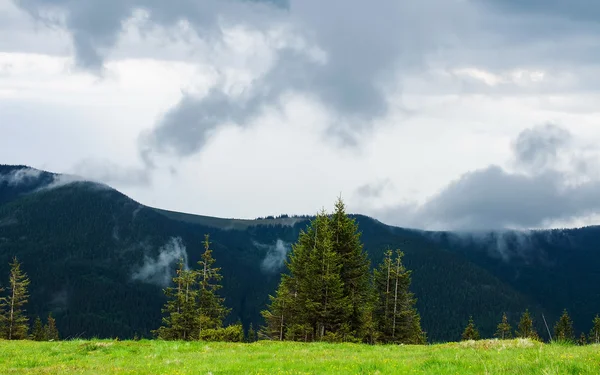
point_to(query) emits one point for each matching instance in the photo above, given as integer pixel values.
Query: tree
(279, 313)
(563, 330)
(180, 308)
(12, 312)
(582, 339)
(470, 332)
(504, 330)
(38, 333)
(211, 310)
(310, 303)
(355, 270)
(397, 318)
(525, 329)
(50, 330)
(594, 336)
(251, 336)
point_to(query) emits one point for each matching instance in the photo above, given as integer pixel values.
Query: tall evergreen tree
(563, 330)
(525, 328)
(470, 332)
(38, 333)
(50, 330)
(211, 309)
(397, 317)
(321, 291)
(280, 312)
(594, 336)
(504, 330)
(179, 322)
(310, 303)
(355, 270)
(13, 320)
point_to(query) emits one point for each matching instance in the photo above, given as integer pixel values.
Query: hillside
(98, 260)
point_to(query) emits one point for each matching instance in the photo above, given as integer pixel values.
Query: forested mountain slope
(98, 260)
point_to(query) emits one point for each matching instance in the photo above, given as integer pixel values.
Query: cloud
(342, 54)
(494, 198)
(373, 190)
(112, 173)
(159, 271)
(21, 176)
(275, 256)
(538, 148)
(95, 25)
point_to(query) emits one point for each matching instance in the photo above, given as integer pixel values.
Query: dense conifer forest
(97, 265)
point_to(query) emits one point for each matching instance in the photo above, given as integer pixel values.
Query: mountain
(98, 261)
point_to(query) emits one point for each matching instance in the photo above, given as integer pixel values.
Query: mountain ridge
(83, 245)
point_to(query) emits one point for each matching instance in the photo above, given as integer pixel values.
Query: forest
(88, 250)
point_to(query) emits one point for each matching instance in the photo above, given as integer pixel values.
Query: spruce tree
(355, 271)
(251, 336)
(321, 291)
(38, 333)
(594, 336)
(211, 310)
(470, 332)
(279, 313)
(310, 303)
(504, 330)
(179, 322)
(397, 318)
(525, 329)
(50, 330)
(12, 313)
(563, 330)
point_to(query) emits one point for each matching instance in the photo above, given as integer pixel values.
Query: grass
(159, 357)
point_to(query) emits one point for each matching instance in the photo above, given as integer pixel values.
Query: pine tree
(563, 330)
(50, 330)
(504, 330)
(525, 329)
(355, 271)
(211, 310)
(12, 314)
(582, 340)
(594, 336)
(397, 317)
(180, 309)
(38, 333)
(470, 332)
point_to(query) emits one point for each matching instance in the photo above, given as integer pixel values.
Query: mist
(159, 270)
(275, 257)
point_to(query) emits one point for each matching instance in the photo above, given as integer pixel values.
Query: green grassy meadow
(160, 357)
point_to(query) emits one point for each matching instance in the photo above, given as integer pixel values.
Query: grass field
(158, 357)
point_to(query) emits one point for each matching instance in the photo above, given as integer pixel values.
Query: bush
(233, 333)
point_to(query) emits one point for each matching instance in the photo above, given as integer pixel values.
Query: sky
(431, 114)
